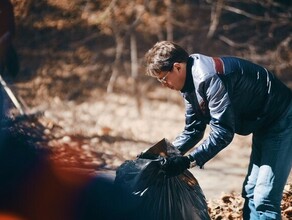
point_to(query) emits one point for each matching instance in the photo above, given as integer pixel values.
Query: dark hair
(162, 56)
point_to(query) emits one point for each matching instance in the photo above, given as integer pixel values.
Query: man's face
(174, 79)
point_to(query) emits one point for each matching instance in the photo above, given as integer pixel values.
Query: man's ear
(177, 66)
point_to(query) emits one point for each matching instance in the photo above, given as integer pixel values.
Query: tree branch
(246, 14)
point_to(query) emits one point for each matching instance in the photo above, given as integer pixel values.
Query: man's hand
(175, 165)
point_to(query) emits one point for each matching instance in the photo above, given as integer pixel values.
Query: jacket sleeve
(193, 131)
(221, 122)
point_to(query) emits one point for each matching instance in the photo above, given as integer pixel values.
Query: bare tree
(215, 17)
(169, 18)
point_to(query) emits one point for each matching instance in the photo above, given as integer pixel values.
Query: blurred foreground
(47, 176)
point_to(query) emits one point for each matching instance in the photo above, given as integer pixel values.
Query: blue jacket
(232, 95)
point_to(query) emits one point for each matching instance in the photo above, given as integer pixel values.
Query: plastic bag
(158, 196)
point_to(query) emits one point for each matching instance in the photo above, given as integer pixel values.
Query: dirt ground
(116, 132)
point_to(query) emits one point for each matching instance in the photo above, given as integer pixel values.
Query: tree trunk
(134, 71)
(215, 17)
(169, 17)
(117, 62)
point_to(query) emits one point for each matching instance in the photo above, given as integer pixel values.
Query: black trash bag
(157, 195)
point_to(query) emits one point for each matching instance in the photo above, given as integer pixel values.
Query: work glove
(175, 165)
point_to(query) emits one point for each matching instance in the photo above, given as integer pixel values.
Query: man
(232, 95)
(8, 56)
(9, 63)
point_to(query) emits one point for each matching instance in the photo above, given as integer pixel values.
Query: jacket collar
(189, 84)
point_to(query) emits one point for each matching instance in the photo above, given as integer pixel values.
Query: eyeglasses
(163, 79)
